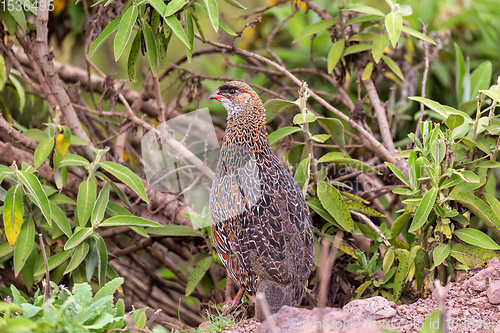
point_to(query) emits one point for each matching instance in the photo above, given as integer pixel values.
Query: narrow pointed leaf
(126, 176)
(378, 47)
(13, 210)
(79, 254)
(235, 3)
(87, 193)
(213, 13)
(344, 159)
(335, 53)
(100, 205)
(393, 66)
(79, 236)
(42, 151)
(393, 24)
(417, 34)
(24, 246)
(314, 28)
(124, 31)
(276, 106)
(128, 220)
(36, 193)
(424, 210)
(335, 128)
(334, 204)
(55, 261)
(74, 160)
(173, 7)
(60, 219)
(176, 27)
(281, 133)
(133, 55)
(440, 253)
(197, 274)
(481, 209)
(477, 238)
(150, 47)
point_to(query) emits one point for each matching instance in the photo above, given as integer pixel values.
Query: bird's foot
(230, 306)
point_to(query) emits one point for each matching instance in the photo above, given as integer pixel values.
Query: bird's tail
(277, 295)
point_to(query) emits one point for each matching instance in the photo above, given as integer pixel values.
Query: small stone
(493, 292)
(373, 308)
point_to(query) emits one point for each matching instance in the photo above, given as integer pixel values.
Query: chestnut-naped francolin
(261, 225)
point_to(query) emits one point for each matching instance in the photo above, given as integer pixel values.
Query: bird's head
(237, 96)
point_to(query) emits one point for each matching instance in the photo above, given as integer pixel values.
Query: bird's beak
(215, 95)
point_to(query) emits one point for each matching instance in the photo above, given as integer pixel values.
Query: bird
(261, 224)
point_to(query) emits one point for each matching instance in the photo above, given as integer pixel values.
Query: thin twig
(46, 281)
(372, 225)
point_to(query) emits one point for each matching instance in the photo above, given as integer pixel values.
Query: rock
(325, 320)
(493, 292)
(373, 308)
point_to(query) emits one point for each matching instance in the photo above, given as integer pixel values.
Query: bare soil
(472, 304)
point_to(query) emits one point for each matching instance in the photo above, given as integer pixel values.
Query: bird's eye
(232, 91)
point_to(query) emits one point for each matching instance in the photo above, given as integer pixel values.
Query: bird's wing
(274, 235)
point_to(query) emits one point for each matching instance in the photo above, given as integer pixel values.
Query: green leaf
(438, 151)
(13, 211)
(173, 7)
(444, 111)
(281, 133)
(477, 238)
(159, 6)
(87, 193)
(174, 230)
(42, 151)
(388, 260)
(321, 211)
(365, 10)
(493, 94)
(36, 193)
(334, 204)
(126, 176)
(213, 13)
(405, 259)
(60, 219)
(314, 29)
(417, 34)
(21, 95)
(189, 26)
(301, 118)
(108, 31)
(63, 141)
(334, 54)
(433, 323)
(133, 55)
(235, 3)
(393, 24)
(150, 47)
(479, 208)
(360, 208)
(344, 159)
(274, 107)
(302, 174)
(398, 173)
(102, 263)
(440, 253)
(453, 121)
(77, 141)
(424, 210)
(74, 160)
(399, 224)
(100, 205)
(79, 236)
(335, 128)
(114, 209)
(480, 78)
(124, 31)
(367, 72)
(378, 47)
(17, 13)
(471, 255)
(393, 66)
(358, 48)
(79, 254)
(36, 135)
(109, 288)
(128, 220)
(24, 247)
(197, 274)
(55, 261)
(176, 27)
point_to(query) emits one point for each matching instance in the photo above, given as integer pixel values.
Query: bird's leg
(235, 302)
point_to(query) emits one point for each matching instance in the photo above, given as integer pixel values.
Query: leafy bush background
(398, 210)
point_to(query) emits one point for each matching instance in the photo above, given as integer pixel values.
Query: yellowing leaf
(13, 213)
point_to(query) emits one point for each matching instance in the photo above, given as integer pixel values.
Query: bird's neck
(247, 127)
